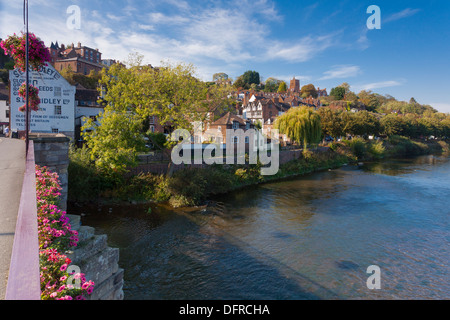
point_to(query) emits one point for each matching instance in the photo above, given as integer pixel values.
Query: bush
(357, 146)
(376, 150)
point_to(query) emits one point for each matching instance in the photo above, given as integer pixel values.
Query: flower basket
(33, 97)
(15, 46)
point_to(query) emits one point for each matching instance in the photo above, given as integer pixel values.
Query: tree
(115, 141)
(338, 93)
(309, 90)
(272, 84)
(282, 87)
(332, 122)
(392, 124)
(172, 93)
(362, 123)
(220, 76)
(346, 86)
(250, 77)
(300, 124)
(239, 83)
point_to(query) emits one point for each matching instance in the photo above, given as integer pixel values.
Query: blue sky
(320, 42)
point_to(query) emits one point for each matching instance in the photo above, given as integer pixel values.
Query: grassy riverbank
(193, 187)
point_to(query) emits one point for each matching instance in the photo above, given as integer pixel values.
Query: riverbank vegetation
(347, 128)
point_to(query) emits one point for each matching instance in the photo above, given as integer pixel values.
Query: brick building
(79, 59)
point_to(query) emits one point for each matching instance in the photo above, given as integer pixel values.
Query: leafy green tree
(240, 84)
(362, 123)
(300, 124)
(132, 94)
(115, 141)
(338, 93)
(272, 84)
(392, 124)
(250, 77)
(282, 87)
(308, 90)
(220, 76)
(332, 122)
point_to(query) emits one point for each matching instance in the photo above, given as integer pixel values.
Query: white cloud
(400, 15)
(379, 85)
(340, 72)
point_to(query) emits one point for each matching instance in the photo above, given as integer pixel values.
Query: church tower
(294, 85)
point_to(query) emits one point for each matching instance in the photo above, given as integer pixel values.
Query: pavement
(12, 169)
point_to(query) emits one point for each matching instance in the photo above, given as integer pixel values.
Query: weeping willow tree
(300, 124)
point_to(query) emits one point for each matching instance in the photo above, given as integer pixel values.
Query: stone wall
(52, 151)
(98, 262)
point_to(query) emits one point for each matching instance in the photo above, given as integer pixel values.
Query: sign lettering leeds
(57, 108)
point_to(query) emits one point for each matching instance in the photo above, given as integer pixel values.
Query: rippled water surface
(309, 238)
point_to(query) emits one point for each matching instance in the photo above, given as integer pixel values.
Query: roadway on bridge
(12, 169)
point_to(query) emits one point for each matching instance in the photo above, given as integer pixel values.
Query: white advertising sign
(57, 108)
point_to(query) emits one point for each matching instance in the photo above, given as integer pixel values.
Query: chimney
(63, 47)
(79, 45)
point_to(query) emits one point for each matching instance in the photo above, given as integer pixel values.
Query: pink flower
(63, 267)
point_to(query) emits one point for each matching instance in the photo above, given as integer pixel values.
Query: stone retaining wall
(98, 262)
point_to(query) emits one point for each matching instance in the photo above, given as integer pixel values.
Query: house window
(7, 113)
(57, 110)
(219, 128)
(247, 139)
(55, 130)
(152, 128)
(152, 120)
(235, 125)
(236, 140)
(247, 125)
(57, 91)
(94, 118)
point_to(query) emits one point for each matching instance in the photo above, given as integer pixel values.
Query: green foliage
(193, 186)
(250, 77)
(220, 76)
(338, 93)
(362, 123)
(115, 142)
(272, 85)
(157, 139)
(282, 87)
(332, 122)
(376, 150)
(357, 146)
(309, 90)
(300, 124)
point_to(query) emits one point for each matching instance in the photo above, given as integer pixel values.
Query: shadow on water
(198, 261)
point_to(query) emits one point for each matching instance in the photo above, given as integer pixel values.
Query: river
(311, 237)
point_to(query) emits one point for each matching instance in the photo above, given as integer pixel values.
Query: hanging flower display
(33, 97)
(15, 47)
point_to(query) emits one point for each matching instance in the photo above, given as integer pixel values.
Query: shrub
(357, 146)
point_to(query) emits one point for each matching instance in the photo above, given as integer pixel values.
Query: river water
(311, 237)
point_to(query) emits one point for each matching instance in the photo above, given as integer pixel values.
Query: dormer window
(235, 125)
